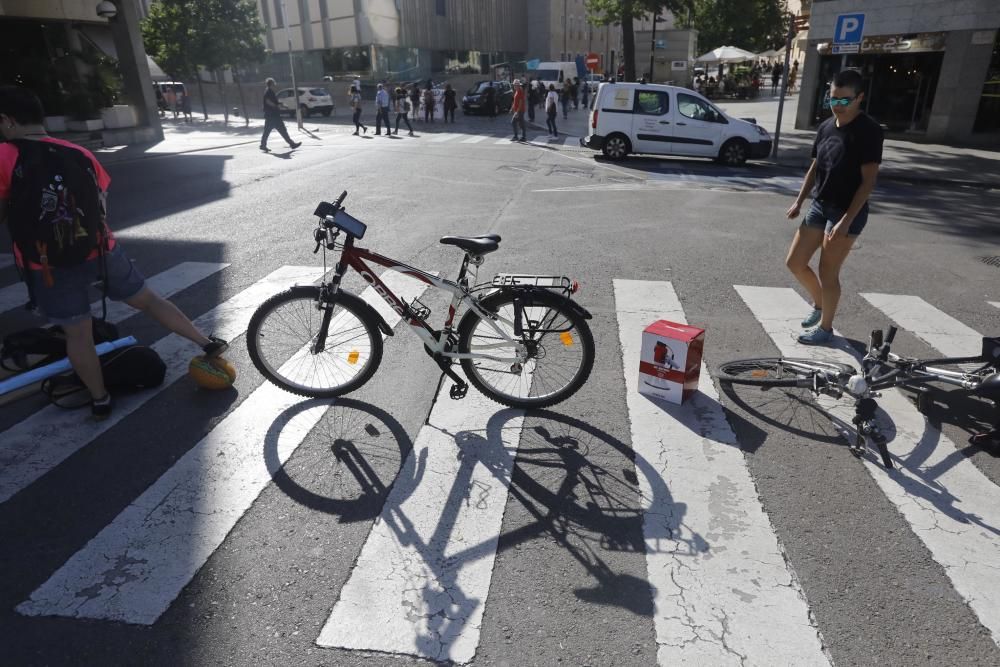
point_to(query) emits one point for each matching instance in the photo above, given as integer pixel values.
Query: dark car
(475, 99)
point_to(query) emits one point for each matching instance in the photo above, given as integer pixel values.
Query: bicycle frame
(354, 257)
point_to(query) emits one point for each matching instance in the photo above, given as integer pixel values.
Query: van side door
(699, 127)
(652, 118)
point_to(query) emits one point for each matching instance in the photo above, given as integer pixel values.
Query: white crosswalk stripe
(441, 138)
(31, 448)
(6, 260)
(475, 139)
(995, 304)
(934, 327)
(713, 558)
(951, 505)
(161, 540)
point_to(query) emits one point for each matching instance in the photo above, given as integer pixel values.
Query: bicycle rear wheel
(560, 357)
(776, 371)
(283, 333)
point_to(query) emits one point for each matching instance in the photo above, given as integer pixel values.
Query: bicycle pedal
(458, 391)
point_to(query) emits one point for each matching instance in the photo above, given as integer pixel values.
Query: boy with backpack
(52, 197)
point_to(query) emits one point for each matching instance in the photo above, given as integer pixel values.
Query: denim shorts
(68, 300)
(825, 216)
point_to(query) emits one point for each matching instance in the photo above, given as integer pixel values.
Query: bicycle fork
(867, 427)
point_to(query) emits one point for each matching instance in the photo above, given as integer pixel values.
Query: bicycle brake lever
(316, 249)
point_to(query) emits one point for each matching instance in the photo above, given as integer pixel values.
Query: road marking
(936, 328)
(420, 584)
(995, 304)
(5, 261)
(441, 138)
(713, 559)
(13, 296)
(167, 283)
(475, 139)
(42, 441)
(139, 563)
(950, 504)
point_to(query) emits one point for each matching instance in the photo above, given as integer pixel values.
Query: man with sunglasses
(846, 155)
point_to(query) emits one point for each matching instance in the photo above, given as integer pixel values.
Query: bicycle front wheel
(556, 337)
(776, 371)
(284, 335)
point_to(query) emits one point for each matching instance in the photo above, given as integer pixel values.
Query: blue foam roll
(57, 367)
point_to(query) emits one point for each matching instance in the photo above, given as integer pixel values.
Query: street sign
(593, 62)
(849, 29)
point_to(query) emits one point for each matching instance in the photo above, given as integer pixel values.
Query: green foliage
(754, 25)
(170, 33)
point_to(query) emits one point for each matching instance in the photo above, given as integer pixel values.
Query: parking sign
(848, 33)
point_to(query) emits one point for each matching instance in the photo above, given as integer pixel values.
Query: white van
(667, 120)
(553, 73)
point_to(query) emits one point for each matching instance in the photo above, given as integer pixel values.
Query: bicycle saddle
(475, 245)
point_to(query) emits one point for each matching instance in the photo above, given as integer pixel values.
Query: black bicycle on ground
(880, 369)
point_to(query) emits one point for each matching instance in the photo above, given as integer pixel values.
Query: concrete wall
(679, 45)
(893, 17)
(960, 86)
(68, 10)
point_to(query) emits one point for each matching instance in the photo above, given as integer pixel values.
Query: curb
(110, 158)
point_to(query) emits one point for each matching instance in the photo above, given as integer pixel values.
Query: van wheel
(616, 147)
(734, 153)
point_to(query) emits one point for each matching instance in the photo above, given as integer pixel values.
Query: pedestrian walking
(792, 76)
(491, 101)
(450, 103)
(415, 101)
(402, 110)
(517, 112)
(551, 104)
(564, 97)
(272, 118)
(532, 100)
(775, 77)
(186, 108)
(382, 111)
(87, 251)
(574, 91)
(585, 94)
(846, 155)
(356, 104)
(429, 103)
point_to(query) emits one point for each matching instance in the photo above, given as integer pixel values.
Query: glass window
(988, 116)
(319, 92)
(651, 103)
(278, 15)
(696, 108)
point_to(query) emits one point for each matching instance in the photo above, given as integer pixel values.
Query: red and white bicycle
(522, 341)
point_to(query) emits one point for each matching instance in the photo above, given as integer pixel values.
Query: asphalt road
(570, 581)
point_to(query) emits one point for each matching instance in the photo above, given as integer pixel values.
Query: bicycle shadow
(596, 505)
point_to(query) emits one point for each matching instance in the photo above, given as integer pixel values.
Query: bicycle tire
(356, 338)
(485, 375)
(773, 371)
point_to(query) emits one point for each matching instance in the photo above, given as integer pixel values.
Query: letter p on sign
(849, 29)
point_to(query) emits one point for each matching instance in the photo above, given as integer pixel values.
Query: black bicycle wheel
(283, 332)
(560, 358)
(776, 371)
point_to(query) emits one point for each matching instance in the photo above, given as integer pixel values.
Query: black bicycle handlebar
(888, 339)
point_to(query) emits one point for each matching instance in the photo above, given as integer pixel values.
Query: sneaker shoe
(412, 135)
(355, 133)
(101, 409)
(215, 347)
(265, 149)
(295, 145)
(817, 336)
(813, 319)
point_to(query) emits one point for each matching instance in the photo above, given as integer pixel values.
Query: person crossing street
(272, 118)
(517, 111)
(382, 111)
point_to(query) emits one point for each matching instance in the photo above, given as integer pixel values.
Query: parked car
(667, 120)
(166, 93)
(475, 99)
(311, 100)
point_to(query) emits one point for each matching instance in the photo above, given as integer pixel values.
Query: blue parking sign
(849, 29)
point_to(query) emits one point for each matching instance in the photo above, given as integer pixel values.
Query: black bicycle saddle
(475, 245)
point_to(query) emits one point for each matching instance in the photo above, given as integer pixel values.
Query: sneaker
(412, 135)
(355, 133)
(295, 145)
(215, 347)
(265, 149)
(101, 409)
(813, 319)
(817, 336)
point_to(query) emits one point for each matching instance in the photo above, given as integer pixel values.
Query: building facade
(931, 68)
(396, 39)
(560, 30)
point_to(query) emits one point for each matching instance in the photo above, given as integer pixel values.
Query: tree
(171, 36)
(622, 12)
(754, 25)
(239, 39)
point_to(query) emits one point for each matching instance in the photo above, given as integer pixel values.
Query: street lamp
(291, 64)
(106, 9)
(652, 44)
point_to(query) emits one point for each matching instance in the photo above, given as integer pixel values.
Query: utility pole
(652, 46)
(565, 31)
(784, 83)
(291, 64)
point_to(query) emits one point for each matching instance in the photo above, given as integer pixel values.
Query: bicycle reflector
(352, 357)
(566, 338)
(575, 288)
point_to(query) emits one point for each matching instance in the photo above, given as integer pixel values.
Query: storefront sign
(914, 43)
(678, 65)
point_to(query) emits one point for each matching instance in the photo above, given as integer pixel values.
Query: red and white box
(670, 360)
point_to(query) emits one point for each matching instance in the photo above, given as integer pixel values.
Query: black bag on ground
(47, 342)
(55, 212)
(126, 370)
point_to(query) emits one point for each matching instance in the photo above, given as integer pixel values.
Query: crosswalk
(498, 138)
(722, 587)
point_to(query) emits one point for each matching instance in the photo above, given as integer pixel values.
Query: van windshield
(547, 74)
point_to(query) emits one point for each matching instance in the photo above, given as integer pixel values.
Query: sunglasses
(841, 101)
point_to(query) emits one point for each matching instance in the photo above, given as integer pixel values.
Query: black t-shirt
(271, 111)
(839, 154)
